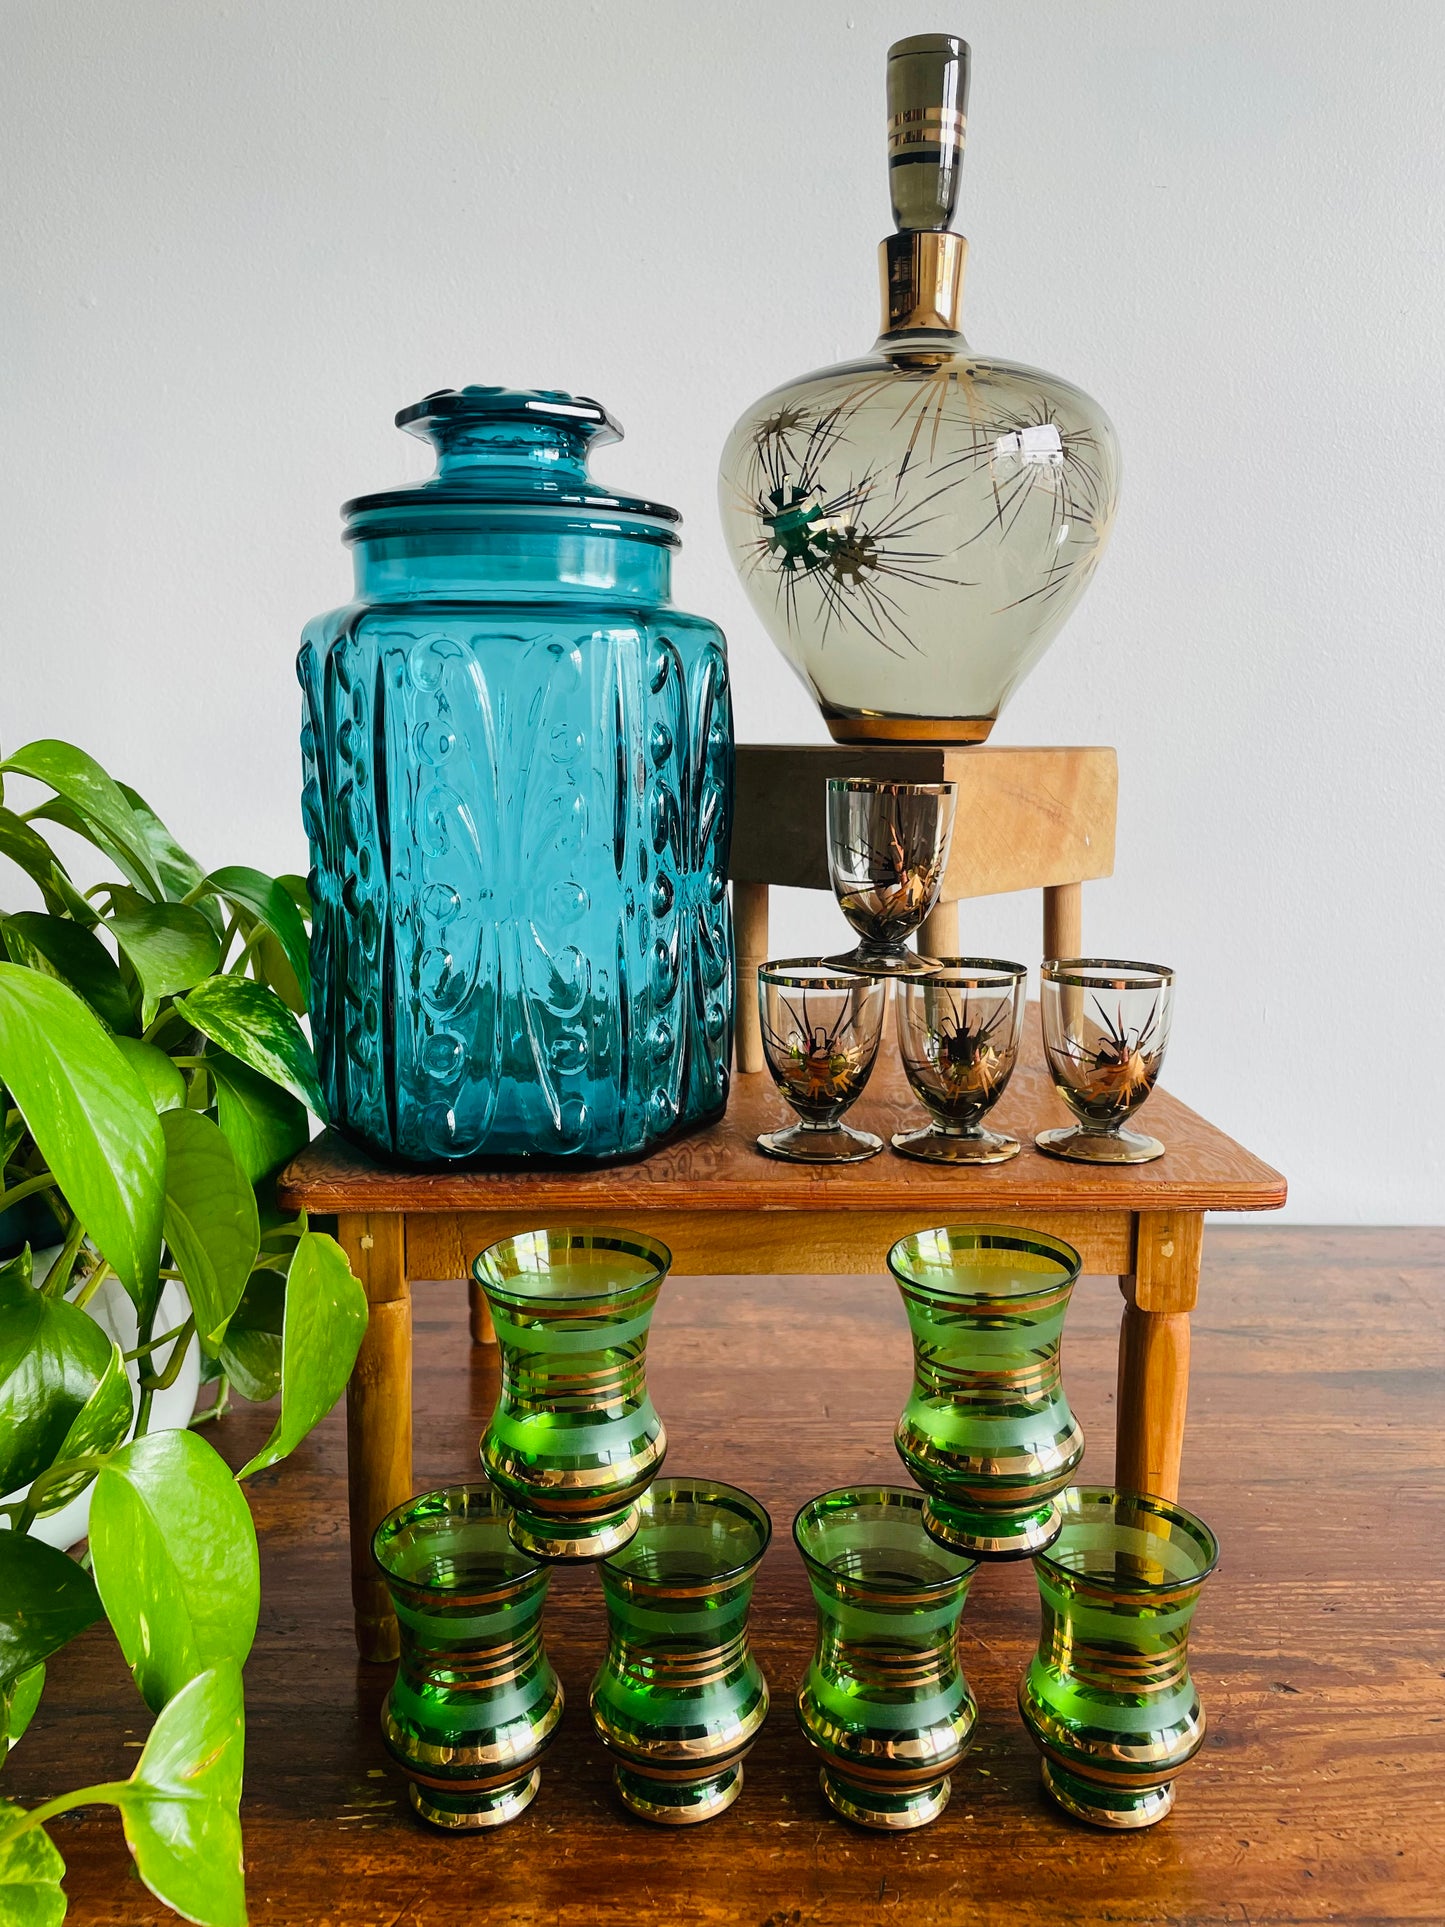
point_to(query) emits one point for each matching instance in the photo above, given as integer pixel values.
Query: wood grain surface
(1024, 816)
(720, 1168)
(1315, 1451)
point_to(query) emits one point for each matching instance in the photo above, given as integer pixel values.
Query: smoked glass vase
(475, 1699)
(679, 1699)
(914, 527)
(884, 1701)
(573, 1441)
(987, 1431)
(518, 792)
(1107, 1697)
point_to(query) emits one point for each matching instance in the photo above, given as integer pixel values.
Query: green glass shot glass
(1107, 1697)
(987, 1431)
(679, 1699)
(573, 1441)
(475, 1700)
(884, 1701)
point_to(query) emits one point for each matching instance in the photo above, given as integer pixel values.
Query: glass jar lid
(502, 451)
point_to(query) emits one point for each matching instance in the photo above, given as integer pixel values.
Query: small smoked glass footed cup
(1107, 1697)
(475, 1701)
(987, 1431)
(884, 1701)
(887, 852)
(958, 1036)
(821, 1027)
(573, 1441)
(1106, 1025)
(679, 1698)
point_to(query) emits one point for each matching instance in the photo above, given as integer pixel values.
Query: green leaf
(251, 1349)
(177, 869)
(45, 1600)
(252, 1023)
(273, 967)
(174, 1553)
(10, 1135)
(171, 946)
(55, 809)
(52, 1361)
(263, 1124)
(299, 892)
(95, 798)
(64, 949)
(163, 1082)
(99, 1427)
(179, 1807)
(211, 1224)
(26, 848)
(91, 1117)
(272, 905)
(18, 1702)
(322, 1331)
(31, 1871)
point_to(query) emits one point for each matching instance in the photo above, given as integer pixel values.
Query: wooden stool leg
(484, 1332)
(1063, 920)
(938, 933)
(378, 1415)
(1153, 1393)
(750, 938)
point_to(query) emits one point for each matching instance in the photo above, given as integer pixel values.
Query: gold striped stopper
(927, 121)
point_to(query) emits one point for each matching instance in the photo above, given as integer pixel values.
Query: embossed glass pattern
(475, 1700)
(1108, 1697)
(518, 777)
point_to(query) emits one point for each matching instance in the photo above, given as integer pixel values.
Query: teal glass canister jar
(518, 792)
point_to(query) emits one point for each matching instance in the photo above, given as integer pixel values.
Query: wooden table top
(720, 1168)
(1315, 1451)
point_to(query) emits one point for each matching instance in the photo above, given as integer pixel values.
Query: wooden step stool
(1026, 819)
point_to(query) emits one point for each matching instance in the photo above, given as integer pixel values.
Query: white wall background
(239, 234)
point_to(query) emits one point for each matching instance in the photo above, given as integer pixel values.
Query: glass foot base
(468, 1811)
(889, 731)
(884, 963)
(868, 1806)
(802, 1144)
(934, 1146)
(1072, 1141)
(998, 1537)
(1103, 1807)
(548, 1539)
(671, 1804)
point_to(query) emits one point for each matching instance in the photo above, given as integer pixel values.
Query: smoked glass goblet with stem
(1106, 1025)
(820, 1027)
(887, 852)
(958, 1036)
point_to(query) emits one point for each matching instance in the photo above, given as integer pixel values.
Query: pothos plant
(153, 1077)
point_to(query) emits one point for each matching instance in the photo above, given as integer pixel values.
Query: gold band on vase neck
(921, 276)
